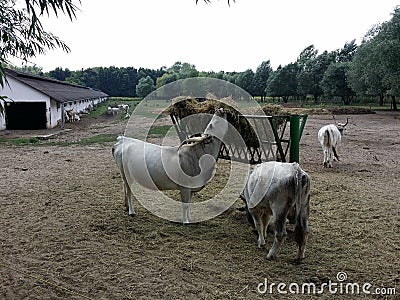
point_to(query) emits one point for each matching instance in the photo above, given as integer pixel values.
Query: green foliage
(375, 69)
(261, 77)
(60, 74)
(312, 73)
(22, 34)
(145, 86)
(335, 82)
(283, 82)
(245, 80)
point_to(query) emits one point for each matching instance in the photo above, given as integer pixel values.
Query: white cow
(71, 116)
(274, 189)
(171, 168)
(124, 107)
(112, 110)
(330, 137)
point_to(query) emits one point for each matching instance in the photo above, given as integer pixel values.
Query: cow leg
(265, 221)
(128, 200)
(302, 248)
(186, 197)
(261, 226)
(325, 157)
(330, 158)
(280, 233)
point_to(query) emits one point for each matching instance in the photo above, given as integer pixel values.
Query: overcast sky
(213, 37)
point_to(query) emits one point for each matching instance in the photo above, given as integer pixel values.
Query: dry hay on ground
(65, 234)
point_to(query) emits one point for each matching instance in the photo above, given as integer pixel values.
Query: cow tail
(302, 180)
(327, 139)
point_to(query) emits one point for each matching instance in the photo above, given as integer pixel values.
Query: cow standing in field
(171, 168)
(273, 189)
(330, 137)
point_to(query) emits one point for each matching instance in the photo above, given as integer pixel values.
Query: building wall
(2, 119)
(16, 91)
(19, 92)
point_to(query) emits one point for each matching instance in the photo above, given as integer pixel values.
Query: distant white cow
(112, 110)
(124, 108)
(273, 189)
(171, 168)
(71, 116)
(330, 137)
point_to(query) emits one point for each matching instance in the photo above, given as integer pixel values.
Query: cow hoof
(271, 257)
(261, 247)
(186, 222)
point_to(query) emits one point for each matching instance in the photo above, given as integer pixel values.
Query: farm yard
(65, 233)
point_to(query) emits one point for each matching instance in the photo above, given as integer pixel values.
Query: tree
(145, 86)
(283, 82)
(22, 34)
(346, 54)
(60, 74)
(245, 81)
(34, 70)
(261, 77)
(166, 78)
(312, 72)
(375, 68)
(335, 82)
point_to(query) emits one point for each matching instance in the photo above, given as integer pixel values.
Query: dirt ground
(65, 235)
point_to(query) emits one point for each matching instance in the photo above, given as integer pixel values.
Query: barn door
(25, 115)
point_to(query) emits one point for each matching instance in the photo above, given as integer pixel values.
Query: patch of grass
(99, 138)
(25, 141)
(101, 109)
(160, 130)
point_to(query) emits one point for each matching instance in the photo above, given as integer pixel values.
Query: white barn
(35, 102)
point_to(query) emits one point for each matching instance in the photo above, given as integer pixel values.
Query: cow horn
(195, 139)
(343, 125)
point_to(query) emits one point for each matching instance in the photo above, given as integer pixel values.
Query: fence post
(294, 138)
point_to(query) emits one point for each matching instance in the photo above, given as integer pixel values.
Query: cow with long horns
(187, 168)
(330, 137)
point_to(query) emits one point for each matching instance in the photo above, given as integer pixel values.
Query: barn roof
(60, 91)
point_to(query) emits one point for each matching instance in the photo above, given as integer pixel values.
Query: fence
(276, 138)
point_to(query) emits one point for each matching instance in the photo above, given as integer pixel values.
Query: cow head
(218, 125)
(341, 126)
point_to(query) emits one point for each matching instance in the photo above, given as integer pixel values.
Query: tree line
(370, 69)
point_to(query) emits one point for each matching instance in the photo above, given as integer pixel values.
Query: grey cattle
(187, 168)
(273, 189)
(329, 137)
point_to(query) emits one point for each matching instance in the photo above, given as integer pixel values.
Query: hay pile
(276, 110)
(182, 107)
